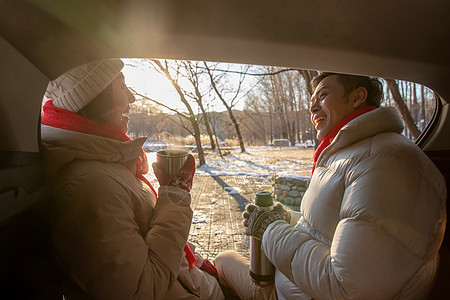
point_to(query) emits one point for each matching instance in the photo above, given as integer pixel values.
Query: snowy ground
(259, 162)
(223, 186)
(256, 161)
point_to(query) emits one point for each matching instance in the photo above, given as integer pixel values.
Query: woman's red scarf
(64, 119)
(326, 141)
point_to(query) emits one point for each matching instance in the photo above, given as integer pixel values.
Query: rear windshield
(270, 104)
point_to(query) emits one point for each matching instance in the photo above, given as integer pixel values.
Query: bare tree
(256, 116)
(286, 95)
(142, 115)
(423, 108)
(164, 68)
(228, 105)
(308, 75)
(402, 108)
(415, 104)
(277, 107)
(193, 73)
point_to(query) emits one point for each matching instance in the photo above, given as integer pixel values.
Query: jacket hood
(61, 147)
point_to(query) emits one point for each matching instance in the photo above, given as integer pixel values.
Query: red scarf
(64, 119)
(326, 141)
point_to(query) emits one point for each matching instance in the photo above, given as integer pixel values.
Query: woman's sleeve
(103, 248)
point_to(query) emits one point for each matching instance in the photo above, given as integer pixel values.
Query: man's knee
(223, 255)
(231, 265)
(229, 258)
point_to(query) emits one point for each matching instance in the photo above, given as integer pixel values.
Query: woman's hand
(183, 179)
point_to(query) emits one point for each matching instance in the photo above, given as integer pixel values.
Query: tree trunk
(308, 76)
(208, 128)
(422, 108)
(293, 115)
(402, 108)
(206, 121)
(197, 136)
(271, 123)
(280, 105)
(416, 110)
(191, 118)
(284, 129)
(193, 77)
(213, 126)
(237, 128)
(229, 109)
(299, 125)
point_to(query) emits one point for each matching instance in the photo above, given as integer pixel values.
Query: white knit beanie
(76, 88)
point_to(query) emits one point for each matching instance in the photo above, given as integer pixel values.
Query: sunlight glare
(144, 80)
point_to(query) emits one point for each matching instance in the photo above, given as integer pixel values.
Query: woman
(114, 236)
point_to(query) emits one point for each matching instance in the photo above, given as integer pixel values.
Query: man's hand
(183, 179)
(256, 219)
(248, 211)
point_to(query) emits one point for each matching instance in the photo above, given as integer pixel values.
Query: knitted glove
(183, 179)
(256, 219)
(246, 214)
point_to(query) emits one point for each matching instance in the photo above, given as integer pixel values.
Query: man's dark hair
(373, 85)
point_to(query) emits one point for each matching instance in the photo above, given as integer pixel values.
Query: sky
(150, 83)
(147, 81)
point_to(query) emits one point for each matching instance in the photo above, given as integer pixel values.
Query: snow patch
(233, 190)
(255, 162)
(198, 218)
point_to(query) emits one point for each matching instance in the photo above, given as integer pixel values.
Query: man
(114, 237)
(373, 218)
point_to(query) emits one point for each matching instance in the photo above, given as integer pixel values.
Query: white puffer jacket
(371, 222)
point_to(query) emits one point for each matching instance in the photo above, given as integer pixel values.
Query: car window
(270, 104)
(416, 104)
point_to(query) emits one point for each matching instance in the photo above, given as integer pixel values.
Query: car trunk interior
(30, 57)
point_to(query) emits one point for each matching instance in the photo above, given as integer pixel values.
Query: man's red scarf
(326, 141)
(64, 119)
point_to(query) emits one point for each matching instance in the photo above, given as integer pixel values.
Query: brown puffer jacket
(371, 222)
(114, 239)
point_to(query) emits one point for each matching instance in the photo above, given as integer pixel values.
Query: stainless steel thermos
(262, 270)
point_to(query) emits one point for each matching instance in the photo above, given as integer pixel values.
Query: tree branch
(158, 103)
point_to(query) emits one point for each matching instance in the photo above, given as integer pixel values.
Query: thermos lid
(264, 199)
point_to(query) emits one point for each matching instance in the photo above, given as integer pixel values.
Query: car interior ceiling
(39, 40)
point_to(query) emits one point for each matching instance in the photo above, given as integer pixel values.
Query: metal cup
(171, 160)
